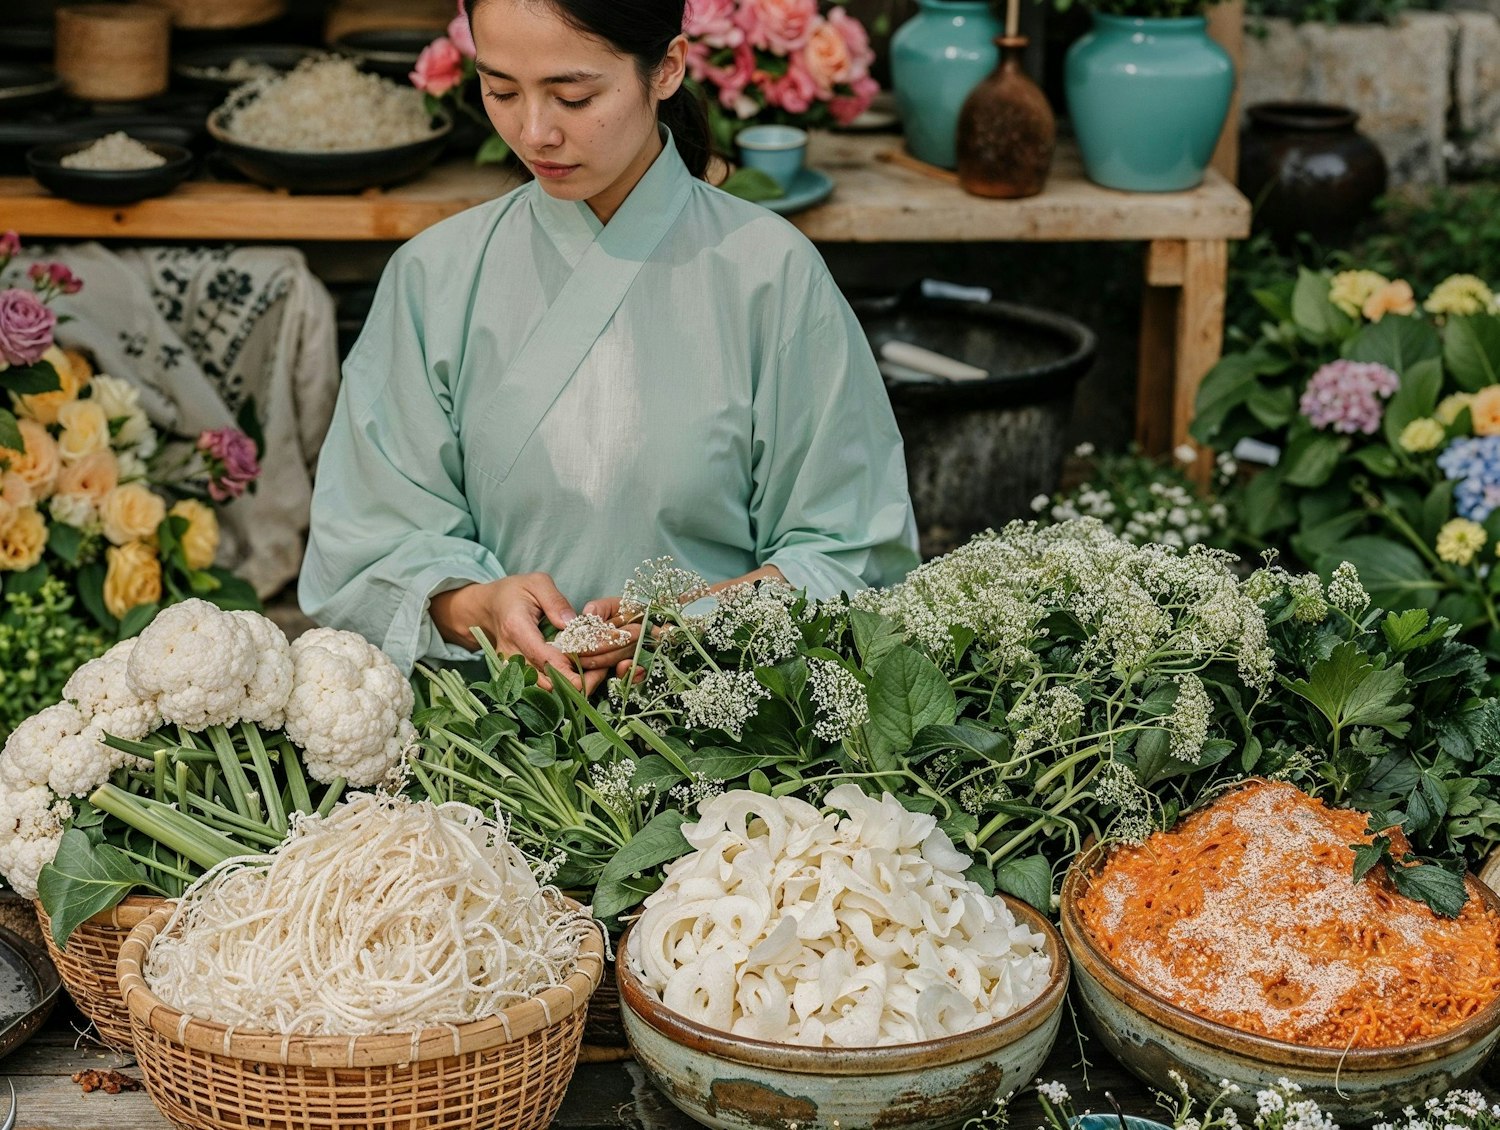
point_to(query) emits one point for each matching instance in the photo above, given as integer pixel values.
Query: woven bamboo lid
(113, 52)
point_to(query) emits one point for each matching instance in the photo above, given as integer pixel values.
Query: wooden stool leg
(1200, 337)
(1165, 259)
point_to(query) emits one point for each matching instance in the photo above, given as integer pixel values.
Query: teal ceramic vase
(937, 57)
(1148, 99)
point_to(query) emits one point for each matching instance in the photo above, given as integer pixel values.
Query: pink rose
(25, 327)
(846, 108)
(460, 33)
(861, 54)
(232, 462)
(827, 58)
(440, 67)
(728, 80)
(712, 22)
(10, 245)
(49, 277)
(795, 91)
(779, 26)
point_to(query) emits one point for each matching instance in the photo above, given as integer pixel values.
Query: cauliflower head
(271, 685)
(104, 696)
(350, 708)
(31, 827)
(26, 760)
(195, 661)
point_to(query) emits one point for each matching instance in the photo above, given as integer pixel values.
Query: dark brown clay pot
(1006, 130)
(1306, 168)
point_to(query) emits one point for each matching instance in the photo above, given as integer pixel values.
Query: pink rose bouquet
(778, 61)
(93, 500)
(445, 74)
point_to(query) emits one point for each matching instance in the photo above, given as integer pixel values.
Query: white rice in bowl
(326, 105)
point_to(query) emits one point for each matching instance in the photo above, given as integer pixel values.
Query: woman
(612, 363)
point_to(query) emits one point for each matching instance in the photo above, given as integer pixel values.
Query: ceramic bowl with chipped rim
(1154, 1037)
(733, 1083)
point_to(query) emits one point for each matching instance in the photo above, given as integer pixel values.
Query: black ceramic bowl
(391, 52)
(204, 67)
(337, 170)
(108, 186)
(26, 84)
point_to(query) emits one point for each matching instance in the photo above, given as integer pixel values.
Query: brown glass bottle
(1006, 130)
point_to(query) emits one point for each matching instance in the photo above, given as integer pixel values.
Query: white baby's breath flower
(840, 698)
(723, 700)
(1191, 715)
(1345, 591)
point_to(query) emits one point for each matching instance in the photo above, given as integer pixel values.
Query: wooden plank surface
(616, 1096)
(876, 199)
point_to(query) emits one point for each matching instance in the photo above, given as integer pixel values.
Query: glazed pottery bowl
(1153, 1037)
(733, 1083)
(108, 186)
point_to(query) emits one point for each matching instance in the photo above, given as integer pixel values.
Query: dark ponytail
(644, 29)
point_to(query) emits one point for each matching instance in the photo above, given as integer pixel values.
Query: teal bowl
(1112, 1122)
(732, 1083)
(1153, 1038)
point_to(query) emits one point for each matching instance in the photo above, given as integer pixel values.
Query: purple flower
(25, 327)
(232, 462)
(1346, 396)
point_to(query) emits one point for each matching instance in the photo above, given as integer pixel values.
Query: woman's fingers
(550, 600)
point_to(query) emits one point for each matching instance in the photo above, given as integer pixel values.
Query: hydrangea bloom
(1475, 465)
(1346, 396)
(1459, 541)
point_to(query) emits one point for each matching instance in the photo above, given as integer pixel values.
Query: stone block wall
(1427, 88)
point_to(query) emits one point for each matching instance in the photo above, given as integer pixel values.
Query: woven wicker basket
(87, 966)
(508, 1072)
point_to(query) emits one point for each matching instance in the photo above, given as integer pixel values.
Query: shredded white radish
(386, 916)
(791, 926)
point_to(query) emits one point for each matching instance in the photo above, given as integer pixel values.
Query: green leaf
(84, 879)
(1380, 461)
(907, 694)
(1394, 576)
(875, 637)
(1317, 317)
(1266, 506)
(1471, 350)
(1029, 879)
(1349, 690)
(64, 542)
(1310, 459)
(91, 592)
(729, 765)
(1397, 343)
(964, 737)
(135, 620)
(981, 874)
(493, 151)
(233, 594)
(753, 185)
(1421, 385)
(1273, 407)
(29, 581)
(10, 431)
(1231, 382)
(1409, 629)
(28, 379)
(247, 419)
(1438, 887)
(659, 842)
(1366, 856)
(1153, 759)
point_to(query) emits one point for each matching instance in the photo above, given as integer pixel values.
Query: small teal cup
(777, 151)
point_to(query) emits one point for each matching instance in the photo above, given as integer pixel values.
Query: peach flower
(779, 26)
(200, 541)
(133, 577)
(827, 58)
(22, 540)
(1393, 298)
(131, 513)
(39, 464)
(85, 430)
(93, 477)
(1485, 409)
(73, 373)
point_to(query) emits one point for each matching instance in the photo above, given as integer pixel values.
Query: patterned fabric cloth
(200, 331)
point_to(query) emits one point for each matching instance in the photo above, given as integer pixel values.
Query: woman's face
(574, 110)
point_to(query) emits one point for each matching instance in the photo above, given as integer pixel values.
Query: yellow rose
(200, 541)
(85, 430)
(1422, 434)
(131, 513)
(73, 373)
(93, 476)
(22, 540)
(1485, 408)
(1393, 298)
(39, 464)
(133, 577)
(1450, 407)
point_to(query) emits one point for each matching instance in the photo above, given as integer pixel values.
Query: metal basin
(733, 1083)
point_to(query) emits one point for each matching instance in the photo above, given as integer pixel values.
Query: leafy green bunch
(1140, 9)
(1403, 494)
(1336, 11)
(42, 641)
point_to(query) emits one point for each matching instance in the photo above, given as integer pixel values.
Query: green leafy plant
(42, 641)
(1336, 11)
(1140, 9)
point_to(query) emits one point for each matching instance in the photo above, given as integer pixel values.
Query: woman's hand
(509, 612)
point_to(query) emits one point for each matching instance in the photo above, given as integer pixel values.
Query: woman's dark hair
(644, 29)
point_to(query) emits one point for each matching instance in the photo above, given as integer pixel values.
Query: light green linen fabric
(729, 415)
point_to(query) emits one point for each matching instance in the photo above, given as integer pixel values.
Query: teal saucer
(810, 187)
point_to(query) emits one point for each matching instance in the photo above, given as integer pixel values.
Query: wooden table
(880, 198)
(614, 1096)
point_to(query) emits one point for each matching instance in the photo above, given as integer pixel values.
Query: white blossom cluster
(840, 698)
(660, 583)
(1345, 592)
(1051, 714)
(1191, 715)
(611, 784)
(723, 700)
(1170, 513)
(1116, 786)
(757, 617)
(1136, 605)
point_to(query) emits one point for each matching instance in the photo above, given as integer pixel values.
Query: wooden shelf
(877, 199)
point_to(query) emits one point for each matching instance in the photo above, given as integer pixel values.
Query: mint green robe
(536, 392)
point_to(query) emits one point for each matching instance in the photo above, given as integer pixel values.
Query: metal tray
(28, 989)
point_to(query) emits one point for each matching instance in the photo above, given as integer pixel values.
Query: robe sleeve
(830, 505)
(391, 527)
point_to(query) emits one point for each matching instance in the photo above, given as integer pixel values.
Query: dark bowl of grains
(114, 169)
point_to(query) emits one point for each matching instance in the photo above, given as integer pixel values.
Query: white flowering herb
(1145, 500)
